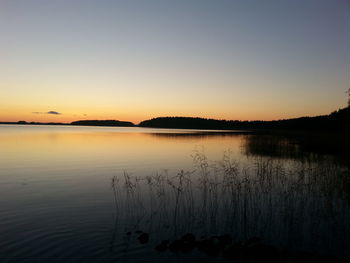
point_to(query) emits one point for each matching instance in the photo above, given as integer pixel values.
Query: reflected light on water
(57, 196)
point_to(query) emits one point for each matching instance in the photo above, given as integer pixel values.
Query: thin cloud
(49, 112)
(54, 112)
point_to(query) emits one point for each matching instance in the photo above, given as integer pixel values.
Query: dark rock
(253, 241)
(162, 247)
(209, 246)
(188, 243)
(187, 247)
(188, 238)
(225, 239)
(233, 251)
(143, 238)
(263, 253)
(175, 246)
(165, 242)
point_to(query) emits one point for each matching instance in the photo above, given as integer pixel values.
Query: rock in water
(143, 238)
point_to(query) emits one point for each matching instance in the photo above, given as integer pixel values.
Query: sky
(66, 60)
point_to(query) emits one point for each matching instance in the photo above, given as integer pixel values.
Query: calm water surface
(58, 202)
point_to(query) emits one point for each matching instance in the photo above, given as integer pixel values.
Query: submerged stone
(188, 238)
(163, 246)
(143, 238)
(175, 246)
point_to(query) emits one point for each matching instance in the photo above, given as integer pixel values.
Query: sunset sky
(65, 60)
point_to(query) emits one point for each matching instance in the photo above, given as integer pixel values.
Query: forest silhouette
(338, 121)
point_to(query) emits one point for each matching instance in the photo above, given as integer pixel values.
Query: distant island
(107, 123)
(336, 121)
(34, 123)
(103, 123)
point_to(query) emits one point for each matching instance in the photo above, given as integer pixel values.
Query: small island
(112, 123)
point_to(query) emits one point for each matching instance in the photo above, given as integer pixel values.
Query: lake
(83, 194)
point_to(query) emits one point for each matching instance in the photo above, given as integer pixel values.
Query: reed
(300, 205)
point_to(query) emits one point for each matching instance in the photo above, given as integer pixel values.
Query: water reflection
(198, 134)
(294, 147)
(55, 184)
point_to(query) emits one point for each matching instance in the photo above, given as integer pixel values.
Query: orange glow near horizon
(136, 115)
(66, 117)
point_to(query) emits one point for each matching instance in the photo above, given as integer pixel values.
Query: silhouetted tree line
(79, 123)
(34, 123)
(338, 120)
(103, 123)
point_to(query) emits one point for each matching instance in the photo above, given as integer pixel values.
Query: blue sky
(140, 59)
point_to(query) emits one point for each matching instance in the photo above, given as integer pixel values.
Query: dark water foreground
(103, 195)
